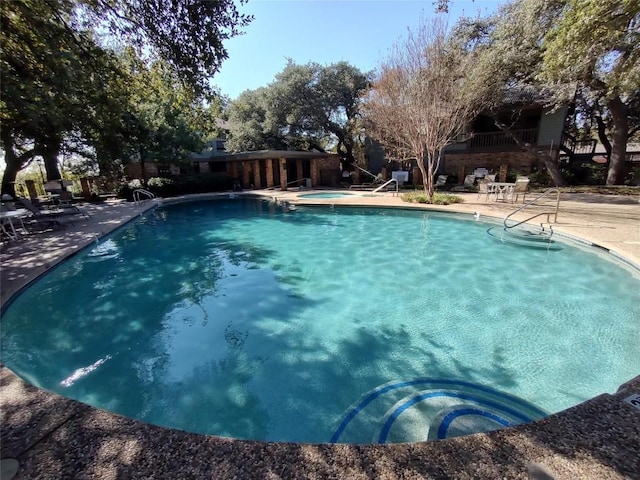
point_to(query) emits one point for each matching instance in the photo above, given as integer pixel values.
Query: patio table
(502, 190)
(6, 219)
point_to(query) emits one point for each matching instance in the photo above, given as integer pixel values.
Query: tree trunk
(550, 164)
(50, 156)
(14, 163)
(602, 135)
(10, 174)
(427, 174)
(619, 137)
(143, 170)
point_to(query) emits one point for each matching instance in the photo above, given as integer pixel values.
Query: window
(220, 146)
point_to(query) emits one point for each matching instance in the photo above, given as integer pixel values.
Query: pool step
(430, 409)
(525, 237)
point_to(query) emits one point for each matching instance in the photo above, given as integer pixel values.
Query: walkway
(53, 437)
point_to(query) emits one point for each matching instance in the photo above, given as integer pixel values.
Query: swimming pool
(328, 195)
(238, 319)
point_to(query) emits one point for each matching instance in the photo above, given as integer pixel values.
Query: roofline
(265, 154)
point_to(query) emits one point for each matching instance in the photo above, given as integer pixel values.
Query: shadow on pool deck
(54, 437)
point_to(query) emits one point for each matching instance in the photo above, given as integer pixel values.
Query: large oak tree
(59, 70)
(306, 107)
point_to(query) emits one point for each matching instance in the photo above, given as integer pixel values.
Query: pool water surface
(239, 318)
(328, 195)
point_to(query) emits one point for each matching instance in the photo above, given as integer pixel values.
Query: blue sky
(360, 32)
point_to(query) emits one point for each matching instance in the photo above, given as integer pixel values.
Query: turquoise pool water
(239, 319)
(328, 195)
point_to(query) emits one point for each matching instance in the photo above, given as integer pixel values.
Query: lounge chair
(469, 180)
(48, 213)
(520, 188)
(441, 181)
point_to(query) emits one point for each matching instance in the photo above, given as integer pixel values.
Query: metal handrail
(387, 183)
(546, 193)
(141, 191)
(288, 183)
(375, 177)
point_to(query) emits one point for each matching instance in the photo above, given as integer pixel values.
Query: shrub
(161, 187)
(417, 196)
(584, 173)
(541, 177)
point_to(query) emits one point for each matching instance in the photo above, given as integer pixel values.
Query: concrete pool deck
(54, 437)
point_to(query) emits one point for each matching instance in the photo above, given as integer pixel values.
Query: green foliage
(419, 196)
(188, 35)
(307, 106)
(64, 89)
(540, 178)
(595, 45)
(585, 173)
(596, 42)
(166, 187)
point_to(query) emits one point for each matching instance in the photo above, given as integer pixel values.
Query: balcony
(573, 146)
(501, 140)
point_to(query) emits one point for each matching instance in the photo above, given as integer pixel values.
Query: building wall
(551, 126)
(328, 172)
(463, 164)
(133, 170)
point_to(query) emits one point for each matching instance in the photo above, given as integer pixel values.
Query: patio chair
(52, 212)
(490, 178)
(441, 181)
(520, 188)
(469, 180)
(484, 188)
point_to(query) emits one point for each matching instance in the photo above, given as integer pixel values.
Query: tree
(307, 106)
(507, 52)
(187, 34)
(165, 119)
(50, 78)
(55, 72)
(420, 101)
(596, 45)
(248, 125)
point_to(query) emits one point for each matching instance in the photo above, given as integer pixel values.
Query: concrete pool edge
(54, 436)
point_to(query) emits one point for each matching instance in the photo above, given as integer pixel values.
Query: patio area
(54, 437)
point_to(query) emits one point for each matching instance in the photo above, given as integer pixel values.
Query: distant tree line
(128, 80)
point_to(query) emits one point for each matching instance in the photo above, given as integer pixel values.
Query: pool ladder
(140, 195)
(530, 237)
(544, 194)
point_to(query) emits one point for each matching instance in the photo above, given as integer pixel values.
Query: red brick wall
(329, 172)
(133, 170)
(517, 162)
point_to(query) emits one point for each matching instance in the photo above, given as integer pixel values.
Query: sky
(361, 32)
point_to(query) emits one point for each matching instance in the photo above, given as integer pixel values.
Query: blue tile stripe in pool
(451, 416)
(519, 410)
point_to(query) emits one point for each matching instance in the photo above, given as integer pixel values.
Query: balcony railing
(577, 147)
(492, 140)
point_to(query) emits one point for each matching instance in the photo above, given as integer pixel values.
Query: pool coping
(52, 436)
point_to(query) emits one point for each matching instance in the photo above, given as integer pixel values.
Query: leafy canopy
(306, 106)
